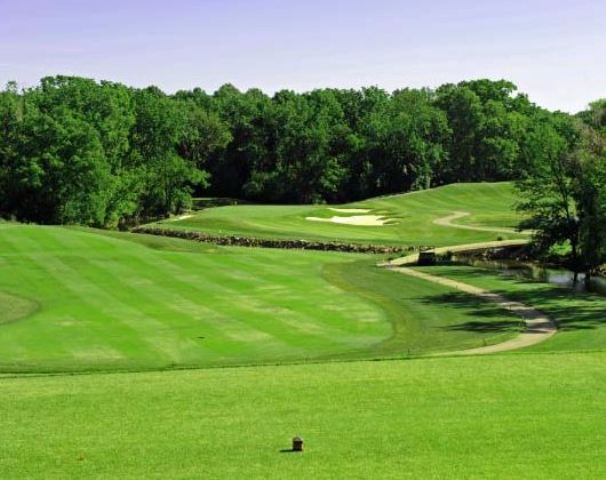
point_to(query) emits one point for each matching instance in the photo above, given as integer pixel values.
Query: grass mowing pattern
(499, 417)
(154, 303)
(103, 294)
(423, 324)
(490, 204)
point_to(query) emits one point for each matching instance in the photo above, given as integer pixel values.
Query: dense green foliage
(564, 186)
(73, 150)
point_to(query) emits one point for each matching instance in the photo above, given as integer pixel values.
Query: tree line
(73, 150)
(78, 151)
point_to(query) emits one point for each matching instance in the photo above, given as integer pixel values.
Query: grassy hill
(410, 218)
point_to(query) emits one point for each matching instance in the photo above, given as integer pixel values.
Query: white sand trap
(350, 210)
(180, 217)
(357, 220)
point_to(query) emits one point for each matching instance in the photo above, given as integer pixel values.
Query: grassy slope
(512, 416)
(491, 204)
(103, 302)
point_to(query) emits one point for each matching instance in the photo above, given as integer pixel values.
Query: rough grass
(122, 301)
(500, 417)
(490, 204)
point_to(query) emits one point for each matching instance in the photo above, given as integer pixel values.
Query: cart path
(447, 222)
(539, 327)
(468, 247)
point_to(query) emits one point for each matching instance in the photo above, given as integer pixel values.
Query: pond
(530, 271)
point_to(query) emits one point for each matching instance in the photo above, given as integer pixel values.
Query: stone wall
(233, 240)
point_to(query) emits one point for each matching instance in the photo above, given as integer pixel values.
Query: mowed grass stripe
(105, 287)
(132, 302)
(186, 298)
(243, 269)
(117, 304)
(93, 314)
(307, 320)
(38, 327)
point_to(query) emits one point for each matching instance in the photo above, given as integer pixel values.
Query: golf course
(475, 213)
(133, 355)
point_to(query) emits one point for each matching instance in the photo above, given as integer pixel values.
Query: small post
(297, 444)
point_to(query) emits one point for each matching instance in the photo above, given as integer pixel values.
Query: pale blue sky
(553, 50)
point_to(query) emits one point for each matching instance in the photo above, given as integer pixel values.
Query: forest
(77, 151)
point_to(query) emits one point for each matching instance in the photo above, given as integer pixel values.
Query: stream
(529, 271)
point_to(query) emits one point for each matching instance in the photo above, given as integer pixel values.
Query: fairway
(413, 219)
(88, 300)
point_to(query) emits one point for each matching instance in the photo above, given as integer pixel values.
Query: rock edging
(237, 241)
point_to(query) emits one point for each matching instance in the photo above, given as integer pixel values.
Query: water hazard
(529, 271)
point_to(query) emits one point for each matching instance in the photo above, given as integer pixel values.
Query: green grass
(99, 300)
(581, 317)
(501, 417)
(491, 205)
(80, 300)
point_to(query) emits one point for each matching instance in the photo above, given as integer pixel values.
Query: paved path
(539, 327)
(468, 247)
(447, 222)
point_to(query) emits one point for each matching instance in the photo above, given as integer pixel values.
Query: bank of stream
(530, 271)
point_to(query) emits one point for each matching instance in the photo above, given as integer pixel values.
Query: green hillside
(410, 218)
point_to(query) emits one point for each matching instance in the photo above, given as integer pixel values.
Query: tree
(591, 199)
(564, 190)
(57, 174)
(488, 122)
(166, 179)
(405, 142)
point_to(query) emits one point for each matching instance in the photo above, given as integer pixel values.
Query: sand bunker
(358, 220)
(350, 210)
(180, 217)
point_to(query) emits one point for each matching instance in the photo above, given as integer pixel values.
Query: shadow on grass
(570, 309)
(490, 313)
(480, 327)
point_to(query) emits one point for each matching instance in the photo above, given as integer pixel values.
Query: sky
(554, 50)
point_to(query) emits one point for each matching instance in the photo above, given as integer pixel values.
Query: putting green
(411, 218)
